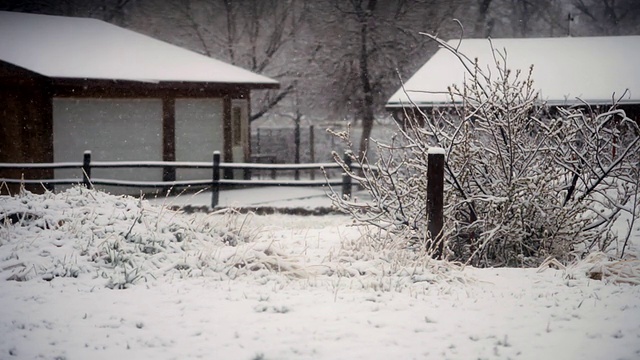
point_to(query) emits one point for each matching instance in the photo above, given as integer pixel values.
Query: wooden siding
(26, 127)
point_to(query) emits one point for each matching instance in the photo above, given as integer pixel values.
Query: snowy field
(85, 275)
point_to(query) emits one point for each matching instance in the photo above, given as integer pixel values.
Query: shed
(74, 84)
(566, 71)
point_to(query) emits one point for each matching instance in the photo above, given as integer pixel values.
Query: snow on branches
(523, 181)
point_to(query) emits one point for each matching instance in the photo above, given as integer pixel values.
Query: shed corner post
(168, 139)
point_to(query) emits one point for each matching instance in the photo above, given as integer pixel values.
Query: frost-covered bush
(523, 181)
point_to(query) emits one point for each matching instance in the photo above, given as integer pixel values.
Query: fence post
(435, 199)
(346, 179)
(273, 170)
(86, 169)
(312, 150)
(215, 185)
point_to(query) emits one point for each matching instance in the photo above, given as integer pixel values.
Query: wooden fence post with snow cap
(86, 169)
(215, 184)
(346, 179)
(435, 199)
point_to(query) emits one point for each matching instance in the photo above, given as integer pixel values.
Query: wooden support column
(168, 137)
(247, 145)
(228, 141)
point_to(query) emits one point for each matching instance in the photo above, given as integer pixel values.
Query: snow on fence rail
(215, 182)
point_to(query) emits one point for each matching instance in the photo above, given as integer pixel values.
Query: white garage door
(113, 129)
(199, 133)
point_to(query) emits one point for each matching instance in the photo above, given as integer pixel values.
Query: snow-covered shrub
(523, 181)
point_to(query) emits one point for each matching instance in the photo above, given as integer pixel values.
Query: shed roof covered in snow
(82, 48)
(566, 70)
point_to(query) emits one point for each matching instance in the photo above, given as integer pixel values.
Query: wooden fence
(215, 182)
(435, 179)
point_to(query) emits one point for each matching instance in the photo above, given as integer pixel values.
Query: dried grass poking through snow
(600, 266)
(120, 241)
(389, 264)
(124, 240)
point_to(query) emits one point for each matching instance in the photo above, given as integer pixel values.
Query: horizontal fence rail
(215, 182)
(173, 164)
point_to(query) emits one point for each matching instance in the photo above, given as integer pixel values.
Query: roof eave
(398, 105)
(260, 86)
(564, 102)
(71, 87)
(101, 82)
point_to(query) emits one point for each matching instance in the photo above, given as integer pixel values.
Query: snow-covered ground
(85, 275)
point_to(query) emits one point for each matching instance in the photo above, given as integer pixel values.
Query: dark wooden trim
(15, 75)
(88, 87)
(173, 85)
(247, 150)
(226, 132)
(169, 137)
(47, 129)
(110, 90)
(113, 88)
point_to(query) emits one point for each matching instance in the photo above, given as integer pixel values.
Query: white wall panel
(199, 132)
(113, 129)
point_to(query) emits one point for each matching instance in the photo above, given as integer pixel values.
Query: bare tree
(259, 36)
(484, 24)
(516, 18)
(254, 34)
(365, 43)
(113, 11)
(363, 11)
(110, 11)
(609, 17)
